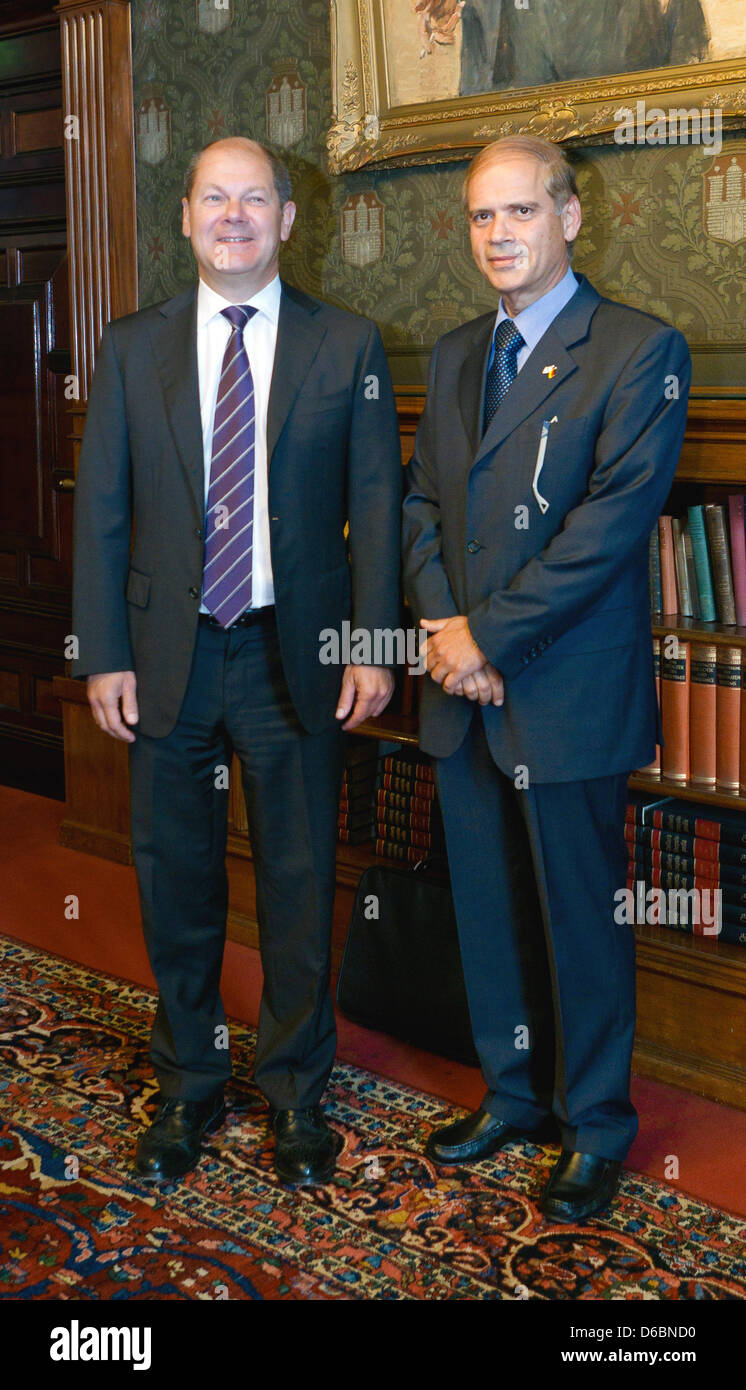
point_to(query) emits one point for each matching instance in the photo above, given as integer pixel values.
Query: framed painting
(422, 81)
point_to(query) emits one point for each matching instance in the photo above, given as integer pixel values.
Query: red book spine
(654, 769)
(728, 717)
(421, 772)
(399, 801)
(408, 787)
(703, 714)
(675, 686)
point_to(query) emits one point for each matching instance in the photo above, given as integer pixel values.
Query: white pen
(542, 501)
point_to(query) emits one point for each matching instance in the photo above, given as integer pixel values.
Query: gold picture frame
(369, 125)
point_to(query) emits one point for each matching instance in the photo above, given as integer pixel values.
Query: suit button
(193, 593)
(198, 533)
(473, 547)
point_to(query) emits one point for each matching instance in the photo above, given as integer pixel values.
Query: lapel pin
(549, 371)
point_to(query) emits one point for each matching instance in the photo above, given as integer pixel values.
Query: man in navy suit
(231, 434)
(546, 449)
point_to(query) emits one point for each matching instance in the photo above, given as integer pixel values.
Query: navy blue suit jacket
(548, 558)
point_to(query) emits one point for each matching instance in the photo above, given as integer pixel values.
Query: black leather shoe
(171, 1144)
(478, 1136)
(580, 1186)
(306, 1147)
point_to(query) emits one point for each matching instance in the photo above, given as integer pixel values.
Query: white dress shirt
(260, 339)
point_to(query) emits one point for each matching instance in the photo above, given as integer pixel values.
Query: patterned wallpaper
(393, 244)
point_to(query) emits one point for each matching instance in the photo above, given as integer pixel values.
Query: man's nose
(498, 228)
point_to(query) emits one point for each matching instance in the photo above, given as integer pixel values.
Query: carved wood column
(102, 240)
(100, 177)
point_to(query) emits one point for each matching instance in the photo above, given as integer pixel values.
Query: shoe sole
(577, 1218)
(155, 1178)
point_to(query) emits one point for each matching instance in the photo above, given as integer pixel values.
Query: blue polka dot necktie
(504, 368)
(229, 520)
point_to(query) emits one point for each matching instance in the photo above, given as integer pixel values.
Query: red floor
(708, 1139)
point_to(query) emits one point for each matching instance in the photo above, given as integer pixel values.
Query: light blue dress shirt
(533, 322)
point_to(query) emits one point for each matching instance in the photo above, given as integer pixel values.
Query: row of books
(409, 824)
(686, 870)
(698, 564)
(702, 697)
(389, 796)
(355, 822)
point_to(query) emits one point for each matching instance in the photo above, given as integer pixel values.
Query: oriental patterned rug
(75, 1222)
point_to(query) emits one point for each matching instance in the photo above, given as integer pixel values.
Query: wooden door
(36, 465)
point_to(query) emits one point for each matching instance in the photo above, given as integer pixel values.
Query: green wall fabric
(648, 236)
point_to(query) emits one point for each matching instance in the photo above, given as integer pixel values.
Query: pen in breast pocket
(542, 501)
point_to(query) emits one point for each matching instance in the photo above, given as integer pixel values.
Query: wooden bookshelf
(687, 791)
(694, 630)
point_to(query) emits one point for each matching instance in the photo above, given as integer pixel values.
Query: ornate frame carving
(367, 128)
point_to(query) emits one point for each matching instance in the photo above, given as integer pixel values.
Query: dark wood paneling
(36, 130)
(35, 448)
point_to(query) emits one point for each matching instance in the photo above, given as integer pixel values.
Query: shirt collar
(533, 322)
(210, 303)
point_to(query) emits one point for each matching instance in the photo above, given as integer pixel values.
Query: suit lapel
(472, 379)
(530, 388)
(174, 338)
(299, 336)
(533, 385)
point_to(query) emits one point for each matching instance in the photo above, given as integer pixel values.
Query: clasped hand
(457, 664)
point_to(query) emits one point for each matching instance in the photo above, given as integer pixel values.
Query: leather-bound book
(703, 714)
(654, 769)
(722, 575)
(668, 566)
(702, 563)
(654, 572)
(691, 570)
(738, 554)
(675, 687)
(682, 573)
(728, 718)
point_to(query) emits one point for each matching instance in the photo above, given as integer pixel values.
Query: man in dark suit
(545, 452)
(234, 430)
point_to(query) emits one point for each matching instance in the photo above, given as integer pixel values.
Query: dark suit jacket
(558, 598)
(333, 455)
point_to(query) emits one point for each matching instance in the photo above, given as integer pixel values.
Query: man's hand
(104, 695)
(484, 685)
(369, 687)
(452, 653)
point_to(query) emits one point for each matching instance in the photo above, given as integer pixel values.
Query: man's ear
(572, 218)
(186, 227)
(288, 217)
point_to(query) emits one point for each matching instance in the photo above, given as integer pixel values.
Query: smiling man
(545, 452)
(231, 433)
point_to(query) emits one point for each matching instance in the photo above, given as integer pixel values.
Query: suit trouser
(237, 699)
(550, 975)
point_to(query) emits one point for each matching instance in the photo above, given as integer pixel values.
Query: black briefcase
(401, 970)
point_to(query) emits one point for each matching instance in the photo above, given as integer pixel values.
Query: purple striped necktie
(229, 519)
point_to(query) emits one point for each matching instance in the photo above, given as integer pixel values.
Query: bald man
(235, 430)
